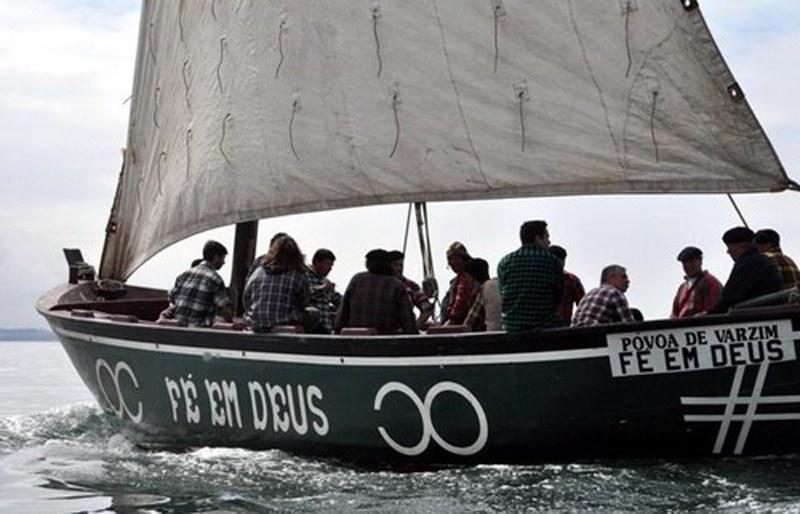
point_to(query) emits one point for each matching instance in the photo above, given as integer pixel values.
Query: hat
(689, 253)
(459, 249)
(738, 235)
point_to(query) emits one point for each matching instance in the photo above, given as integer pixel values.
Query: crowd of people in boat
(531, 290)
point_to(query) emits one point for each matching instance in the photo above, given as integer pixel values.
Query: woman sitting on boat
(278, 292)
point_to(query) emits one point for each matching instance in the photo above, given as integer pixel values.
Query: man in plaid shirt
(768, 243)
(376, 299)
(200, 292)
(324, 297)
(531, 282)
(607, 303)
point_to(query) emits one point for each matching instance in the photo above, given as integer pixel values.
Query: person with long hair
(277, 292)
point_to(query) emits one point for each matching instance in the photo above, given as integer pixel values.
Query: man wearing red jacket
(700, 290)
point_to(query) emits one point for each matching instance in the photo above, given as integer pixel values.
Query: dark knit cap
(738, 235)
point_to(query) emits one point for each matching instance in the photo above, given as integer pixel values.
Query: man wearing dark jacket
(753, 274)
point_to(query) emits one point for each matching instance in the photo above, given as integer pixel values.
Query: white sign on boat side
(698, 348)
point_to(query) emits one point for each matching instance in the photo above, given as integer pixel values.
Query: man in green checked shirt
(531, 282)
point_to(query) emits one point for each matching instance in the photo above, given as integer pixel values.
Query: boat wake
(75, 458)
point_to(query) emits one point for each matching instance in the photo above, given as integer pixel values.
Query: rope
(222, 44)
(497, 12)
(157, 107)
(295, 108)
(741, 217)
(188, 152)
(627, 37)
(185, 75)
(408, 223)
(521, 96)
(180, 19)
(228, 116)
(395, 103)
(375, 16)
(280, 47)
(652, 124)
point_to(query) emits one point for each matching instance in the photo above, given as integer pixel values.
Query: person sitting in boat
(768, 242)
(278, 292)
(259, 261)
(462, 291)
(607, 303)
(376, 299)
(485, 312)
(700, 289)
(169, 312)
(200, 293)
(753, 274)
(324, 297)
(573, 288)
(531, 282)
(416, 296)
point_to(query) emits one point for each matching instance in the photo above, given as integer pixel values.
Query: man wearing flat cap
(753, 274)
(700, 289)
(768, 242)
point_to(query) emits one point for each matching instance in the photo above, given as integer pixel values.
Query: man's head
(615, 275)
(767, 240)
(378, 262)
(478, 269)
(396, 260)
(559, 252)
(457, 257)
(535, 233)
(322, 262)
(692, 259)
(214, 254)
(738, 240)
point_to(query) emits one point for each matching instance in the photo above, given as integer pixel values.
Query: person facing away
(169, 312)
(376, 299)
(416, 295)
(573, 288)
(753, 274)
(277, 292)
(485, 312)
(200, 293)
(700, 289)
(607, 303)
(531, 282)
(259, 261)
(324, 297)
(462, 289)
(768, 242)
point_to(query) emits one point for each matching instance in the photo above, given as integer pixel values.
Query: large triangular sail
(250, 109)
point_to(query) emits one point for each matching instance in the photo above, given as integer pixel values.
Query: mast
(244, 252)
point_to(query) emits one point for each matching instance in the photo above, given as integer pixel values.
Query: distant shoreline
(26, 334)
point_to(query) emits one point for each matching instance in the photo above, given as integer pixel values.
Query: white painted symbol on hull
(428, 429)
(114, 374)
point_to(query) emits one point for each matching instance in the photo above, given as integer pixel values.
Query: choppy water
(60, 453)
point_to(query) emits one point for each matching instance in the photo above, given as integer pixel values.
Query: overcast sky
(66, 70)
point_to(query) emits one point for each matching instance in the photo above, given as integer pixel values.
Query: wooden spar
(244, 252)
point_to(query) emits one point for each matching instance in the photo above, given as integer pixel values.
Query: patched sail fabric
(249, 109)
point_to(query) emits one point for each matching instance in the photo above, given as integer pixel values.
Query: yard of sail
(247, 110)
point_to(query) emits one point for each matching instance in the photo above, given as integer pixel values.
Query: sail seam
(458, 96)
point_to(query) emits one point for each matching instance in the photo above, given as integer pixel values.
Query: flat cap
(689, 253)
(738, 235)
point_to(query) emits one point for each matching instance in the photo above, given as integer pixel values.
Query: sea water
(60, 453)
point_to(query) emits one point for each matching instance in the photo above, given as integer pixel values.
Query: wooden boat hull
(477, 398)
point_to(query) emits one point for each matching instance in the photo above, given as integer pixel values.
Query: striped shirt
(531, 285)
(197, 295)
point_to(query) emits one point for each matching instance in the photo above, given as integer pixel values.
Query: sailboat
(249, 110)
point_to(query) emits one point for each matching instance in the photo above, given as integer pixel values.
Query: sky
(66, 71)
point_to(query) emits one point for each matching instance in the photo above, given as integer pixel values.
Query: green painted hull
(437, 400)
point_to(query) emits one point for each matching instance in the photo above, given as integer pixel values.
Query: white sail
(249, 109)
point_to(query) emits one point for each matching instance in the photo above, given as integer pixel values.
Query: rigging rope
(741, 217)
